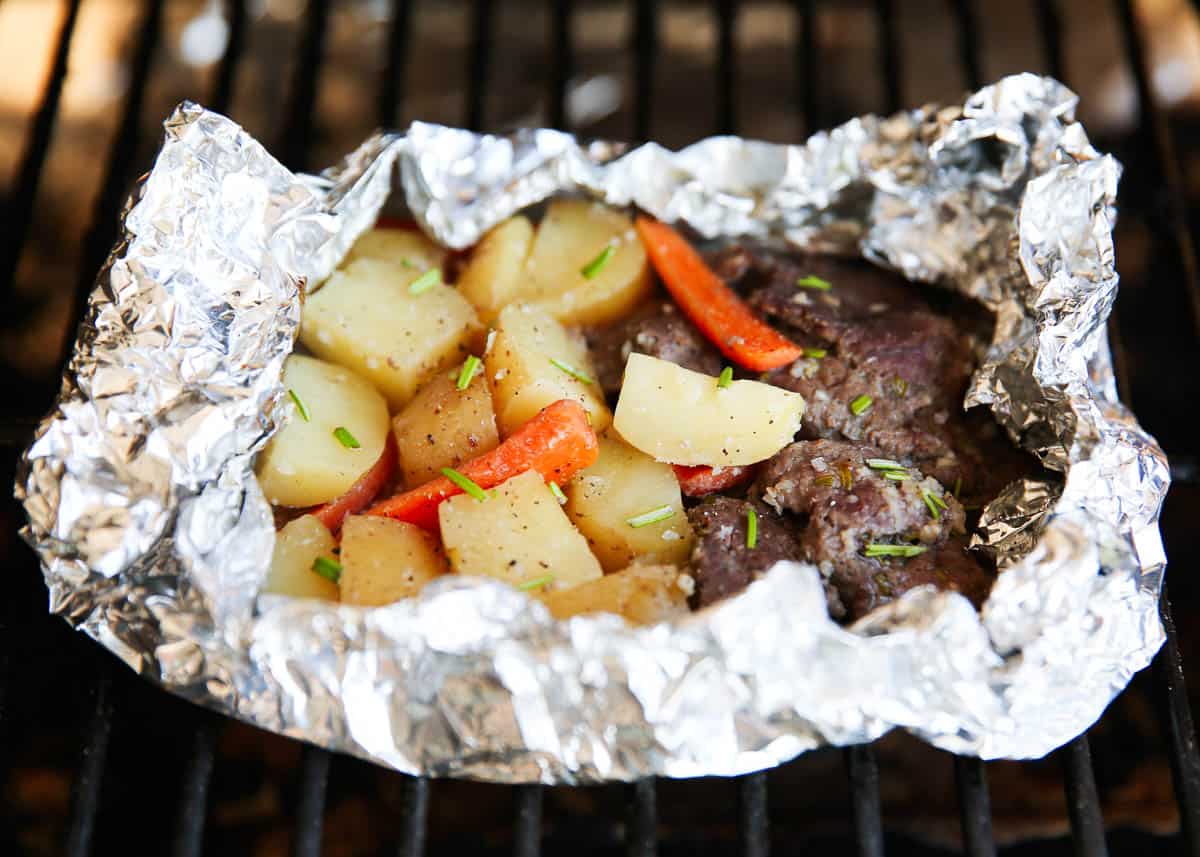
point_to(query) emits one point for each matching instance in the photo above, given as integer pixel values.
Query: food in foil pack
(644, 425)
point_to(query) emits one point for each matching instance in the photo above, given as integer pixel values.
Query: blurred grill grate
(294, 143)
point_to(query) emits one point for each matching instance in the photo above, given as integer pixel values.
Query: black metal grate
(294, 141)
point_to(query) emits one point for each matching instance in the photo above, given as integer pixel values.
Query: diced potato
(365, 318)
(643, 594)
(518, 534)
(573, 234)
(523, 377)
(405, 247)
(297, 547)
(304, 463)
(444, 426)
(385, 560)
(622, 484)
(495, 274)
(677, 415)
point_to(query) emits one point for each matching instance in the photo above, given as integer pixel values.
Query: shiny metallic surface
(154, 535)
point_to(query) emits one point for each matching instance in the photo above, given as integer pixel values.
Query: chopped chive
(425, 282)
(726, 377)
(939, 501)
(469, 368)
(845, 475)
(896, 475)
(572, 371)
(751, 528)
(536, 582)
(815, 353)
(652, 517)
(905, 551)
(594, 267)
(899, 387)
(557, 492)
(327, 568)
(464, 483)
(884, 464)
(860, 405)
(407, 263)
(300, 406)
(345, 438)
(934, 511)
(814, 282)
(826, 480)
(957, 488)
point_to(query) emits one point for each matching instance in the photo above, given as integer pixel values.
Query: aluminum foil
(155, 537)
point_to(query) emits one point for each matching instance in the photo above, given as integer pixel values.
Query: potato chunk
(365, 318)
(520, 533)
(385, 560)
(444, 426)
(643, 594)
(495, 274)
(622, 484)
(677, 415)
(405, 247)
(304, 463)
(297, 547)
(523, 372)
(573, 234)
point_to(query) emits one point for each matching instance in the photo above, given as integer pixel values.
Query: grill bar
(85, 791)
(1051, 28)
(807, 51)
(754, 828)
(1185, 758)
(641, 821)
(310, 809)
(223, 87)
(527, 825)
(416, 814)
(296, 140)
(645, 47)
(480, 62)
(193, 805)
(391, 84)
(561, 64)
(19, 211)
(889, 55)
(726, 14)
(1083, 801)
(974, 806)
(968, 41)
(865, 806)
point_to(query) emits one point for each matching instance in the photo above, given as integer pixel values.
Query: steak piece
(722, 564)
(658, 329)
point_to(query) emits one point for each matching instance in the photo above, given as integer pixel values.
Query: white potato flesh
(518, 534)
(643, 594)
(365, 318)
(405, 247)
(573, 234)
(677, 415)
(304, 463)
(297, 546)
(385, 560)
(495, 274)
(622, 484)
(523, 372)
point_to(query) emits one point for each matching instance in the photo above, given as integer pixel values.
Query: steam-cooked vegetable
(526, 369)
(362, 492)
(643, 594)
(385, 560)
(405, 247)
(365, 318)
(444, 426)
(622, 484)
(298, 546)
(701, 480)
(495, 274)
(677, 415)
(304, 463)
(517, 534)
(586, 265)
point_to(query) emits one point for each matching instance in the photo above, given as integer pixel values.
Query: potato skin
(297, 547)
(444, 426)
(304, 463)
(384, 560)
(642, 594)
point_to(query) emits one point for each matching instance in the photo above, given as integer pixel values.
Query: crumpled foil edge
(154, 536)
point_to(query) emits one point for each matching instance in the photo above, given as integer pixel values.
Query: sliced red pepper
(557, 443)
(711, 305)
(362, 492)
(700, 479)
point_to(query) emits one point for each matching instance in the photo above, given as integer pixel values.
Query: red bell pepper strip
(557, 443)
(711, 305)
(699, 480)
(362, 492)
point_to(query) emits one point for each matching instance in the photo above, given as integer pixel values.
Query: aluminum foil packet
(155, 537)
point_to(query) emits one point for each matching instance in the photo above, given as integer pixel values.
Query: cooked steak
(657, 329)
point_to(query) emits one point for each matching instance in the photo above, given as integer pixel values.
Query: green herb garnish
(896, 475)
(345, 438)
(814, 282)
(751, 528)
(300, 406)
(557, 492)
(425, 282)
(899, 387)
(572, 371)
(932, 505)
(860, 405)
(469, 368)
(464, 483)
(328, 568)
(725, 378)
(957, 492)
(594, 267)
(826, 480)
(815, 353)
(905, 551)
(536, 582)
(652, 517)
(884, 464)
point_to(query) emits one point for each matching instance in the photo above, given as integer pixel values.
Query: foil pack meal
(672, 463)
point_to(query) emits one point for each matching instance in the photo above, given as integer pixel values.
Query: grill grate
(294, 143)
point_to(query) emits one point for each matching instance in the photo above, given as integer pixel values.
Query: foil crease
(154, 536)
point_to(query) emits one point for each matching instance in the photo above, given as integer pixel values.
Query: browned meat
(722, 564)
(869, 583)
(657, 329)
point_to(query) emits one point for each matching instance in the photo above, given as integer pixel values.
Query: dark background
(312, 79)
